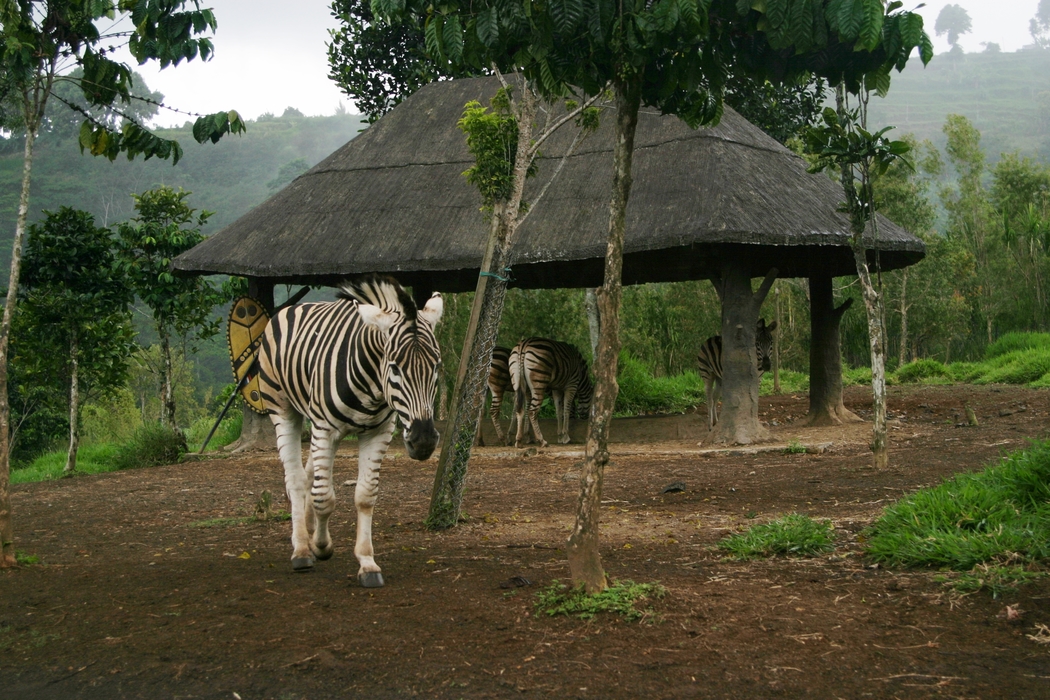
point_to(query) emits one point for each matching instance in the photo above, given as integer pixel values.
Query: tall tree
(74, 295)
(954, 21)
(39, 39)
(1039, 26)
(180, 306)
(672, 55)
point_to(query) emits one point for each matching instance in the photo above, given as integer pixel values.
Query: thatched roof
(394, 200)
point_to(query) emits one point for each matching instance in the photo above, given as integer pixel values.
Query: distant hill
(229, 177)
(1005, 95)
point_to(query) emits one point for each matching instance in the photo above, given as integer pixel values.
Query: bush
(856, 375)
(920, 370)
(228, 431)
(1013, 342)
(791, 382)
(1017, 367)
(641, 392)
(971, 519)
(152, 445)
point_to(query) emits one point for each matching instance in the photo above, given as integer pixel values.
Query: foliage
(1014, 342)
(972, 518)
(792, 535)
(783, 111)
(492, 138)
(641, 393)
(1039, 26)
(152, 445)
(91, 459)
(919, 370)
(25, 559)
(379, 64)
(621, 598)
(995, 578)
(954, 21)
(227, 432)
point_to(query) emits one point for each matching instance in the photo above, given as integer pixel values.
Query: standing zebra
(539, 364)
(710, 359)
(499, 383)
(354, 365)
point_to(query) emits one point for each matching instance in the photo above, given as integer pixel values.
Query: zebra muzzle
(421, 439)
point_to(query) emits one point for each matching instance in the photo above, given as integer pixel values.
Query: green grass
(1012, 342)
(795, 447)
(152, 445)
(921, 371)
(1000, 513)
(994, 578)
(641, 393)
(792, 535)
(227, 432)
(622, 598)
(91, 459)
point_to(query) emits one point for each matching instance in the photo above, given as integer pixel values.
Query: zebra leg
(520, 397)
(534, 416)
(323, 444)
(716, 396)
(494, 411)
(565, 415)
(289, 428)
(372, 448)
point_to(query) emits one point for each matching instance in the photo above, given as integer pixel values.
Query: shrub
(228, 431)
(920, 370)
(641, 392)
(1012, 342)
(856, 375)
(152, 445)
(971, 519)
(794, 535)
(1017, 367)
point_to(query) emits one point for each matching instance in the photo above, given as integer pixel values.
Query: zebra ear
(772, 327)
(374, 316)
(431, 313)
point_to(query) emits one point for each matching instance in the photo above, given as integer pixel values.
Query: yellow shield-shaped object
(248, 319)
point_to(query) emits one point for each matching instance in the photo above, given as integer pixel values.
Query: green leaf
(452, 33)
(487, 26)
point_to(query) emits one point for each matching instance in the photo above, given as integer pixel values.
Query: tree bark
(738, 421)
(74, 409)
(902, 356)
(7, 531)
(825, 356)
(776, 342)
(594, 322)
(167, 386)
(585, 562)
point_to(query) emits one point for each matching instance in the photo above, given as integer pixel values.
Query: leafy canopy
(44, 43)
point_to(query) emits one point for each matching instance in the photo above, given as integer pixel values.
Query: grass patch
(997, 579)
(243, 520)
(91, 459)
(152, 445)
(971, 519)
(795, 447)
(23, 559)
(854, 376)
(791, 382)
(622, 598)
(792, 535)
(1013, 342)
(227, 432)
(921, 371)
(641, 393)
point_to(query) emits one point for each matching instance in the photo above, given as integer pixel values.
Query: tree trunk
(167, 414)
(74, 409)
(468, 396)
(7, 531)
(738, 421)
(776, 342)
(585, 561)
(594, 323)
(902, 357)
(257, 431)
(825, 357)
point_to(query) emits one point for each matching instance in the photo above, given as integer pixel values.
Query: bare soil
(135, 598)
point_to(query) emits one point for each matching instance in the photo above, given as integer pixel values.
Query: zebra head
(412, 358)
(764, 344)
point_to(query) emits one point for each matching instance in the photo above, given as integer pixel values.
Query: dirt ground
(134, 598)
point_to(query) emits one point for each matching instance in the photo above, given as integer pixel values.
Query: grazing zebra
(499, 384)
(354, 365)
(710, 359)
(539, 364)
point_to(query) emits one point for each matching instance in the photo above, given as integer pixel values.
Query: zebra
(539, 364)
(352, 366)
(499, 383)
(710, 359)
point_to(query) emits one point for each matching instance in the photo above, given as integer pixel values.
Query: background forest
(975, 309)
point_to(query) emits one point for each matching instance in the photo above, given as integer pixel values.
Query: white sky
(271, 54)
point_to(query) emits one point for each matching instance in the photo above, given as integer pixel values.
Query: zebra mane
(382, 291)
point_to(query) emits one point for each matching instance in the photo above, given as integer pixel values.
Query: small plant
(23, 559)
(995, 578)
(794, 535)
(921, 370)
(795, 447)
(622, 598)
(152, 445)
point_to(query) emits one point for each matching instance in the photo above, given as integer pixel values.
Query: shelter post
(825, 356)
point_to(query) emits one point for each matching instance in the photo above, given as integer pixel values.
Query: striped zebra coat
(538, 365)
(710, 359)
(352, 366)
(499, 383)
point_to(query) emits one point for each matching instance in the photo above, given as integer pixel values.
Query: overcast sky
(271, 54)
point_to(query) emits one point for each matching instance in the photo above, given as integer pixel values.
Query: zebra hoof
(322, 554)
(302, 564)
(370, 579)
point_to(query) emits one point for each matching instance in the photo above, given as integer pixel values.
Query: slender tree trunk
(74, 409)
(594, 323)
(7, 531)
(776, 342)
(167, 415)
(585, 561)
(738, 422)
(825, 356)
(902, 357)
(468, 397)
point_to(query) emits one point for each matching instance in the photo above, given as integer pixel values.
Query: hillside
(1005, 95)
(229, 177)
